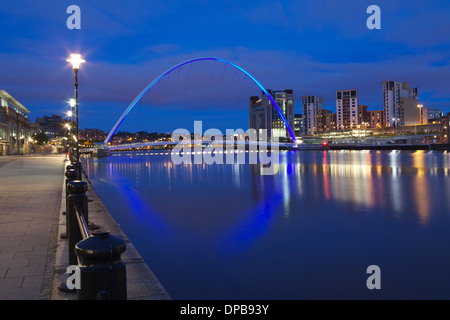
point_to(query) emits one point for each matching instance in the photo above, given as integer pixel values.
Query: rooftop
(16, 104)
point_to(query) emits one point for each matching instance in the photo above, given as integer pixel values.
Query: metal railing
(96, 254)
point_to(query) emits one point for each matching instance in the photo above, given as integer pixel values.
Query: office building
(263, 115)
(298, 124)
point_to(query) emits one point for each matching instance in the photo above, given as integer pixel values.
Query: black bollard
(71, 175)
(102, 272)
(77, 197)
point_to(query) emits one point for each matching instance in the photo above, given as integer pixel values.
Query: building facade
(14, 126)
(263, 115)
(347, 109)
(298, 124)
(376, 119)
(392, 94)
(92, 134)
(310, 111)
(54, 126)
(434, 114)
(410, 113)
(326, 120)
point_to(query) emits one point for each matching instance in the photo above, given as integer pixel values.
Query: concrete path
(30, 201)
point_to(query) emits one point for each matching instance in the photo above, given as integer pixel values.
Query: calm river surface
(308, 232)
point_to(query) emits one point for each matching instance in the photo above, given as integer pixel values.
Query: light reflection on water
(310, 231)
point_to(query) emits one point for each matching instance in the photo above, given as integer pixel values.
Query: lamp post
(420, 106)
(70, 115)
(76, 61)
(69, 126)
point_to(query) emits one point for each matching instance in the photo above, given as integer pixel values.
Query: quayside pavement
(30, 197)
(33, 256)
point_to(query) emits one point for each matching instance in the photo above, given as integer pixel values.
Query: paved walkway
(30, 197)
(33, 256)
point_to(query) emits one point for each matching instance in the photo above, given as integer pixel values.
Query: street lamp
(72, 105)
(76, 61)
(420, 106)
(70, 115)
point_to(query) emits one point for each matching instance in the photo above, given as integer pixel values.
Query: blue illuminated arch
(132, 104)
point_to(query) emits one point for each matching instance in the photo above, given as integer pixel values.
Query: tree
(41, 138)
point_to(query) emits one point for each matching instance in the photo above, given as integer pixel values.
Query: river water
(224, 231)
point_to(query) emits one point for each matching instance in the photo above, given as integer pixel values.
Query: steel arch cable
(133, 103)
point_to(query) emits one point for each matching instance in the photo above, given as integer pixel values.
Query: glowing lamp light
(76, 61)
(72, 102)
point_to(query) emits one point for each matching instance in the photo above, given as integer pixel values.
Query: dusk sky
(312, 47)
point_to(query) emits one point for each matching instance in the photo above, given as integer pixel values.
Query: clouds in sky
(313, 47)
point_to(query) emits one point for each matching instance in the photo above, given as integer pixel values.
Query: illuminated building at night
(347, 109)
(263, 115)
(394, 107)
(14, 126)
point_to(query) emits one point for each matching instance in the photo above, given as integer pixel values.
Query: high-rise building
(310, 111)
(392, 93)
(263, 115)
(346, 109)
(298, 124)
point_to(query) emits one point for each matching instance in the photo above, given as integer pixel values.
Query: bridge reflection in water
(227, 232)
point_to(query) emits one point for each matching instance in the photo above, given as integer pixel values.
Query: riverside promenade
(33, 256)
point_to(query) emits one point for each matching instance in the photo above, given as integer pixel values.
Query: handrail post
(77, 197)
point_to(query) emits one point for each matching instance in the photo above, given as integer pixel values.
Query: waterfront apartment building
(92, 134)
(376, 119)
(14, 126)
(326, 120)
(346, 109)
(263, 115)
(394, 111)
(310, 110)
(363, 115)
